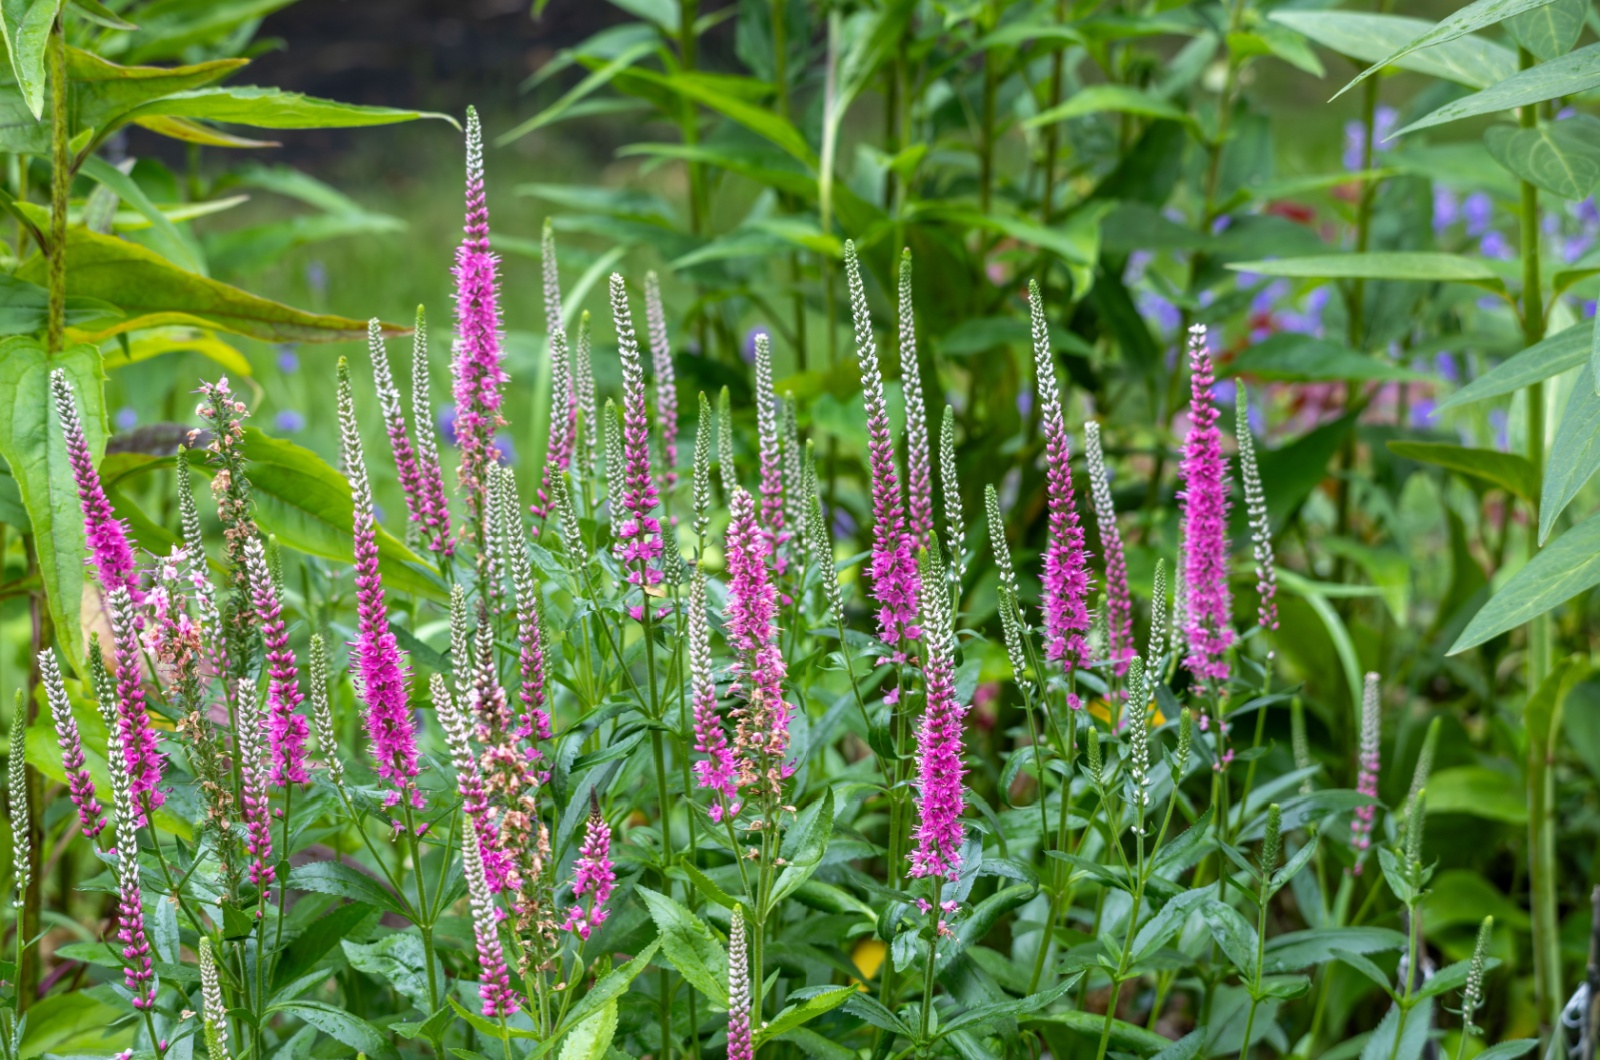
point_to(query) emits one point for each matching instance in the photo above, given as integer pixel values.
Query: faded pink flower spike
(740, 1044)
(79, 783)
(941, 797)
(253, 788)
(380, 669)
(1367, 778)
(593, 876)
(394, 424)
(1119, 602)
(563, 436)
(107, 538)
(717, 770)
(666, 378)
(896, 582)
(469, 780)
(531, 690)
(138, 972)
(477, 369)
(1255, 498)
(435, 509)
(1207, 598)
(638, 534)
(750, 617)
(770, 448)
(140, 756)
(1066, 563)
(919, 457)
(499, 1000)
(287, 730)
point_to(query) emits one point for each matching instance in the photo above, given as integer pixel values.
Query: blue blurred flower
(1384, 119)
(127, 418)
(749, 347)
(1477, 211)
(288, 359)
(843, 524)
(1444, 365)
(1164, 313)
(1495, 245)
(447, 424)
(1587, 212)
(1223, 390)
(1446, 208)
(1576, 247)
(1025, 400)
(1501, 426)
(290, 421)
(1422, 411)
(317, 278)
(503, 446)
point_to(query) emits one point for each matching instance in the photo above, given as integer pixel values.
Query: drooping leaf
(804, 1011)
(1562, 157)
(1573, 73)
(1562, 569)
(1474, 16)
(1117, 99)
(591, 1038)
(341, 1026)
(1550, 29)
(1574, 456)
(1304, 949)
(399, 960)
(1419, 266)
(272, 108)
(1508, 471)
(1479, 792)
(343, 881)
(32, 445)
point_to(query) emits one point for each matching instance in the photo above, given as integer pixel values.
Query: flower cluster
(1208, 601)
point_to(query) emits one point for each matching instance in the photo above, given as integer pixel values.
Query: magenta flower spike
(1207, 598)
(896, 582)
(593, 876)
(1119, 602)
(941, 797)
(563, 435)
(1367, 776)
(138, 971)
(638, 535)
(380, 668)
(107, 538)
(140, 756)
(80, 785)
(287, 730)
(718, 770)
(666, 374)
(499, 999)
(1066, 562)
(770, 448)
(406, 465)
(750, 626)
(253, 794)
(919, 457)
(477, 370)
(740, 1044)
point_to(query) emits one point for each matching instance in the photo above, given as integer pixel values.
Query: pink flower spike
(287, 730)
(770, 448)
(499, 999)
(1119, 602)
(762, 736)
(717, 770)
(919, 457)
(666, 378)
(394, 424)
(563, 436)
(435, 509)
(140, 756)
(741, 1045)
(477, 369)
(380, 669)
(896, 582)
(138, 970)
(107, 538)
(1207, 598)
(638, 542)
(593, 875)
(941, 796)
(79, 783)
(1367, 778)
(1066, 563)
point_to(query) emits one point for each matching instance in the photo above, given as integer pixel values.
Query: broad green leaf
(1116, 99)
(26, 27)
(1234, 934)
(804, 844)
(1550, 29)
(23, 307)
(1361, 964)
(689, 945)
(399, 960)
(311, 945)
(1471, 61)
(158, 341)
(272, 108)
(729, 97)
(802, 1012)
(1479, 792)
(99, 14)
(986, 1015)
(1296, 357)
(172, 245)
(1561, 570)
(1562, 157)
(104, 92)
(607, 989)
(591, 1038)
(79, 1021)
(343, 881)
(1394, 1041)
(31, 443)
(1421, 266)
(341, 1026)
(1509, 1050)
(197, 132)
(140, 281)
(1569, 75)
(1508, 471)
(1574, 456)
(1303, 949)
(1565, 349)
(1474, 16)
(170, 29)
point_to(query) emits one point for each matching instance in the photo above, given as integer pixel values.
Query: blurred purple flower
(447, 425)
(1164, 313)
(1138, 262)
(1422, 411)
(288, 359)
(1446, 208)
(1384, 121)
(1495, 245)
(1587, 212)
(127, 418)
(1222, 391)
(503, 447)
(1444, 365)
(748, 350)
(1220, 225)
(1576, 247)
(1025, 401)
(844, 523)
(1501, 426)
(289, 421)
(1268, 298)
(1477, 211)
(317, 278)
(1257, 417)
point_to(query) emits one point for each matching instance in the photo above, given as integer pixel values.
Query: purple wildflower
(286, 730)
(79, 783)
(1205, 513)
(1367, 779)
(666, 378)
(740, 1044)
(770, 449)
(499, 1000)
(1477, 210)
(430, 479)
(406, 464)
(762, 736)
(138, 971)
(940, 794)
(638, 536)
(1119, 602)
(140, 756)
(718, 769)
(919, 459)
(107, 538)
(563, 397)
(593, 876)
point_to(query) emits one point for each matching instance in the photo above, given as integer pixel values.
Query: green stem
(60, 181)
(933, 951)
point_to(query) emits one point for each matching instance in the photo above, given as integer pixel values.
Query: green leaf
(1479, 792)
(173, 245)
(343, 881)
(104, 92)
(591, 1038)
(398, 960)
(1234, 934)
(707, 886)
(98, 13)
(32, 445)
(689, 945)
(141, 282)
(1566, 349)
(1303, 949)
(1471, 61)
(728, 96)
(1509, 1050)
(341, 1026)
(1562, 157)
(312, 944)
(606, 990)
(1365, 967)
(1419, 266)
(1561, 570)
(804, 845)
(1474, 16)
(986, 1015)
(79, 1021)
(1574, 456)
(1508, 471)
(592, 82)
(794, 1015)
(1569, 75)
(1391, 1041)
(25, 25)
(1117, 99)
(272, 108)
(1550, 29)
(1296, 357)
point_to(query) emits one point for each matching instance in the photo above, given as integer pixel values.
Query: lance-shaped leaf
(25, 25)
(1509, 471)
(1573, 73)
(1563, 350)
(1419, 266)
(1468, 60)
(1564, 568)
(1574, 456)
(273, 108)
(1474, 16)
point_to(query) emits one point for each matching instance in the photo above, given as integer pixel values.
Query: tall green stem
(60, 181)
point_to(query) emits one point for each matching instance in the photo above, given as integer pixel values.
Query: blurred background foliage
(1144, 162)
